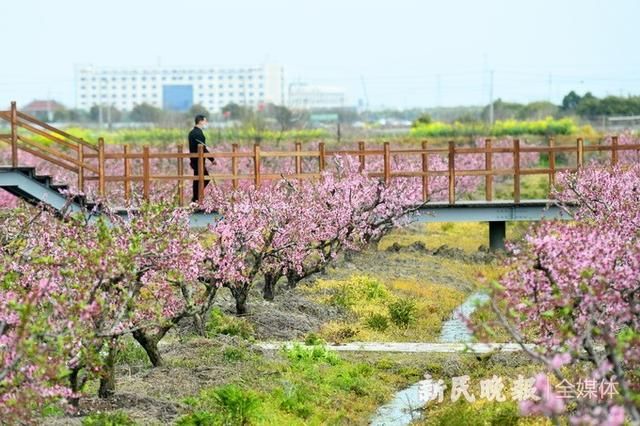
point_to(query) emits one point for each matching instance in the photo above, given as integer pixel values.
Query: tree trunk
(268, 291)
(240, 295)
(292, 279)
(198, 323)
(150, 346)
(74, 383)
(108, 379)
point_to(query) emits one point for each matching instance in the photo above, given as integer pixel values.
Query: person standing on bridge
(196, 137)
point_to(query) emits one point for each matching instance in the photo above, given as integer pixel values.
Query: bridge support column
(497, 233)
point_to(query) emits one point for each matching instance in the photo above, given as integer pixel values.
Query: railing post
(580, 153)
(516, 170)
(146, 172)
(425, 172)
(552, 163)
(81, 168)
(101, 168)
(127, 173)
(387, 163)
(614, 150)
(361, 155)
(14, 135)
(452, 173)
(180, 174)
(488, 167)
(200, 172)
(256, 165)
(321, 156)
(234, 166)
(298, 159)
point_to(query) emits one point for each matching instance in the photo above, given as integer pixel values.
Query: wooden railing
(322, 155)
(82, 151)
(63, 149)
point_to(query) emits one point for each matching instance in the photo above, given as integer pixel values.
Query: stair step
(29, 171)
(47, 181)
(59, 187)
(44, 179)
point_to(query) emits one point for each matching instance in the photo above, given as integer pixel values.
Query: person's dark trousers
(195, 197)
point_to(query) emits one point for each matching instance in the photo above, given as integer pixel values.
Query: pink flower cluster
(573, 289)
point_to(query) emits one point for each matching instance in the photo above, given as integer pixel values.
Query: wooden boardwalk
(90, 161)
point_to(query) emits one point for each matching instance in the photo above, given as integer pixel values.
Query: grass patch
(117, 418)
(397, 310)
(467, 236)
(131, 353)
(300, 386)
(219, 323)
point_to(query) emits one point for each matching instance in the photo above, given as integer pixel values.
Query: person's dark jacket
(196, 137)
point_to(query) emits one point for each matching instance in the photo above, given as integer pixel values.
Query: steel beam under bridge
(497, 213)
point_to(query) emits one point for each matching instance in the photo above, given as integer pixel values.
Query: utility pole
(491, 98)
(438, 91)
(364, 89)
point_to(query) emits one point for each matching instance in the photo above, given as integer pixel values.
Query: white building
(176, 88)
(306, 96)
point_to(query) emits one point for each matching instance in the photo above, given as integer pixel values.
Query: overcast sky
(401, 53)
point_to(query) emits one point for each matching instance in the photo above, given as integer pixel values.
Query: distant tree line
(281, 118)
(587, 107)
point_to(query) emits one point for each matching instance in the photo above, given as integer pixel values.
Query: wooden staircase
(60, 149)
(25, 183)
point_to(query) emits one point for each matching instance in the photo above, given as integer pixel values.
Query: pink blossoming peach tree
(573, 289)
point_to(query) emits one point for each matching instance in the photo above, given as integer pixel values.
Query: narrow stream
(406, 405)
